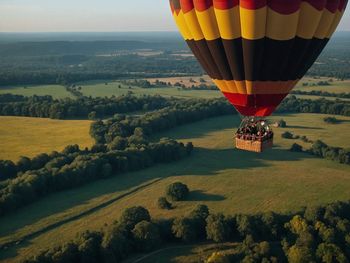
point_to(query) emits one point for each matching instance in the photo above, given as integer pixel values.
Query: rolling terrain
(219, 176)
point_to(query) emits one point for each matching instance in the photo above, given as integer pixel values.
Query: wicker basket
(253, 146)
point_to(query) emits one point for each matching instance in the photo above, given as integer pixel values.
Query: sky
(93, 16)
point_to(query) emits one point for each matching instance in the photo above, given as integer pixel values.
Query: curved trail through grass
(77, 216)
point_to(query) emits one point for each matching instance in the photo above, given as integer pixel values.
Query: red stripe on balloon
(186, 5)
(342, 5)
(252, 111)
(285, 7)
(225, 4)
(255, 100)
(332, 5)
(252, 4)
(318, 4)
(202, 5)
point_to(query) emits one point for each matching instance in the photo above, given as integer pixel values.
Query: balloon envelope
(257, 50)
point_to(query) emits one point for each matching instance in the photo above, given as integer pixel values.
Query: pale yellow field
(21, 136)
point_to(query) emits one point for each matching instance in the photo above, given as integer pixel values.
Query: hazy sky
(92, 15)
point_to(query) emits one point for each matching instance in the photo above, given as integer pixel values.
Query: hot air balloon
(256, 51)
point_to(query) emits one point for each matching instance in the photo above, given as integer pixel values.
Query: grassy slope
(218, 175)
(56, 91)
(30, 136)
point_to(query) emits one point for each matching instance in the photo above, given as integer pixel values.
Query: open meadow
(218, 175)
(56, 91)
(21, 136)
(110, 88)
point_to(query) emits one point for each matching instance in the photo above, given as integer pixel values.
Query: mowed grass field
(56, 91)
(21, 136)
(225, 179)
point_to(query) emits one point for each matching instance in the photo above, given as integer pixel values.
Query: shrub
(287, 135)
(177, 191)
(146, 235)
(331, 120)
(133, 215)
(296, 148)
(163, 203)
(282, 123)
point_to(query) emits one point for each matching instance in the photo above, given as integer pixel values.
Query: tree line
(314, 234)
(46, 174)
(82, 107)
(320, 93)
(115, 129)
(337, 154)
(294, 105)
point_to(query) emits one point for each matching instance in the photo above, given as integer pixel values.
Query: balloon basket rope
(254, 135)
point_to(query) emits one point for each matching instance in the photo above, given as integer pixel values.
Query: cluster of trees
(342, 95)
(337, 154)
(73, 167)
(294, 105)
(115, 129)
(315, 234)
(322, 150)
(331, 120)
(83, 107)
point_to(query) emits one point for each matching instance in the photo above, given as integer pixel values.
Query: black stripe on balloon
(257, 60)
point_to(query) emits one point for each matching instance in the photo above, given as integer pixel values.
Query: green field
(219, 176)
(98, 89)
(56, 91)
(336, 86)
(21, 136)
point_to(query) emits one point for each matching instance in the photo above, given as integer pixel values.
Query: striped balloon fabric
(257, 50)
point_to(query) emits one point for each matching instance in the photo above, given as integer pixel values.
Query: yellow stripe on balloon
(193, 25)
(229, 23)
(309, 19)
(325, 24)
(255, 87)
(207, 22)
(335, 23)
(253, 23)
(280, 26)
(181, 24)
(225, 87)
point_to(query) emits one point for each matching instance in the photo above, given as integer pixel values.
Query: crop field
(20, 136)
(56, 91)
(218, 175)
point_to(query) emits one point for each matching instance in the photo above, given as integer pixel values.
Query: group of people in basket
(255, 130)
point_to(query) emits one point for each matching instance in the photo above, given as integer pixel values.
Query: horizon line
(132, 31)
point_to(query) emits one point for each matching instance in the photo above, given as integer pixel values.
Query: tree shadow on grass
(200, 195)
(303, 127)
